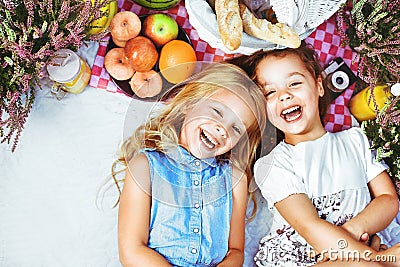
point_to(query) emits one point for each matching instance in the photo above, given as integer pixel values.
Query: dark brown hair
(305, 52)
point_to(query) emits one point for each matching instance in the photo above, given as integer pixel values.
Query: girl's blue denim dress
(191, 207)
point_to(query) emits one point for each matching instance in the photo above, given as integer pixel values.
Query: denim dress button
(196, 182)
(197, 163)
(197, 205)
(194, 251)
(196, 230)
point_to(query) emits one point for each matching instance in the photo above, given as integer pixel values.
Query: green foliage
(384, 132)
(30, 33)
(371, 28)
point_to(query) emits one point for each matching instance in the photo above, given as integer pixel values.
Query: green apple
(160, 28)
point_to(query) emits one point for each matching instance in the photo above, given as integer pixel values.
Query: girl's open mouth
(207, 139)
(291, 114)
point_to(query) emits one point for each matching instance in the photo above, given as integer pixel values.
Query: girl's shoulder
(353, 135)
(356, 131)
(282, 154)
(139, 160)
(151, 152)
(148, 155)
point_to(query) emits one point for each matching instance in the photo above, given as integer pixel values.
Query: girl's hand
(390, 256)
(356, 232)
(375, 243)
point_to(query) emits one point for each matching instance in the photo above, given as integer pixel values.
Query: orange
(177, 61)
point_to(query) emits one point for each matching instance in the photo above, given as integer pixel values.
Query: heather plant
(384, 133)
(371, 28)
(30, 33)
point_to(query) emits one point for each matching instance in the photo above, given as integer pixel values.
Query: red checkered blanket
(325, 40)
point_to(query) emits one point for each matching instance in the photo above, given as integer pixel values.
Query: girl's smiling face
(215, 124)
(292, 95)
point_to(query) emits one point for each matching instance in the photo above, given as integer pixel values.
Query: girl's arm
(299, 212)
(235, 255)
(380, 212)
(134, 217)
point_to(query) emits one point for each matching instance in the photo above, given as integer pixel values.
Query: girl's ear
(320, 86)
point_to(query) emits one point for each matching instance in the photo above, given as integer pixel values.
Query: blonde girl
(184, 197)
(317, 184)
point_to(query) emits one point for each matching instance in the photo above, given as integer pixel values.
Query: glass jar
(69, 70)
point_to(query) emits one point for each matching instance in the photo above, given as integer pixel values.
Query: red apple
(146, 84)
(160, 28)
(118, 65)
(125, 25)
(141, 53)
(119, 42)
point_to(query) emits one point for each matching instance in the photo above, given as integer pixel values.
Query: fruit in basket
(160, 28)
(141, 53)
(157, 4)
(113, 11)
(100, 24)
(177, 61)
(119, 43)
(125, 25)
(146, 84)
(118, 65)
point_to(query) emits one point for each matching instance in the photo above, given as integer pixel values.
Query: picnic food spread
(139, 47)
(234, 17)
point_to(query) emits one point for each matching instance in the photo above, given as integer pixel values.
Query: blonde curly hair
(161, 131)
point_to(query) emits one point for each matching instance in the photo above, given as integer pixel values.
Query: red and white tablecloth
(325, 40)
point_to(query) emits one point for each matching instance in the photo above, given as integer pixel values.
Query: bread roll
(278, 33)
(230, 24)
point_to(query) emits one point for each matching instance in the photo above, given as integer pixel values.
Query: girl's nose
(221, 131)
(285, 96)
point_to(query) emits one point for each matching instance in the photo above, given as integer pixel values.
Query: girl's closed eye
(294, 84)
(219, 113)
(269, 93)
(237, 129)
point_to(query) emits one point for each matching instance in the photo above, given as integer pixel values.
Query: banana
(113, 11)
(99, 24)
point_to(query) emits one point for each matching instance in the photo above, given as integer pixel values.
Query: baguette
(230, 24)
(278, 33)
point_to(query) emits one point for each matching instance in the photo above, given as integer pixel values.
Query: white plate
(203, 19)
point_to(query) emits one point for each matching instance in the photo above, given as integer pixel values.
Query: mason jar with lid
(69, 70)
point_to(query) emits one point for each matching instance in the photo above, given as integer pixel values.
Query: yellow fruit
(113, 8)
(363, 108)
(113, 11)
(99, 24)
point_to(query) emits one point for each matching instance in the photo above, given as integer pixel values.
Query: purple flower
(28, 40)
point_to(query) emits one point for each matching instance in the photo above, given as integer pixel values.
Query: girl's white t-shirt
(333, 171)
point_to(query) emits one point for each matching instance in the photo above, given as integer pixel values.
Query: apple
(141, 53)
(160, 28)
(118, 65)
(146, 84)
(125, 25)
(119, 42)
